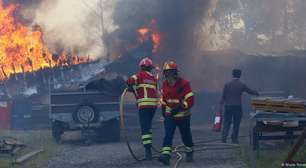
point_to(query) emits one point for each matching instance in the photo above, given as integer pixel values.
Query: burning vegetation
(22, 49)
(190, 33)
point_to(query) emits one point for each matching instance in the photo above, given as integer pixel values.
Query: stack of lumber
(279, 104)
(10, 145)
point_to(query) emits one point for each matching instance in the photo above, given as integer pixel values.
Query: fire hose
(123, 128)
(125, 132)
(201, 145)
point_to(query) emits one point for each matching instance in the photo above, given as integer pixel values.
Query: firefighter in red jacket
(177, 99)
(144, 85)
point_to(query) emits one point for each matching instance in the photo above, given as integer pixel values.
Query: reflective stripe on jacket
(177, 95)
(145, 87)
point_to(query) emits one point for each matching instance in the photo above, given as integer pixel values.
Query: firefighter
(177, 99)
(144, 86)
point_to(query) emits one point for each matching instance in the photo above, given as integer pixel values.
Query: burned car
(90, 107)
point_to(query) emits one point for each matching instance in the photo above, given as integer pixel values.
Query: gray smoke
(72, 26)
(75, 25)
(260, 26)
(177, 21)
(190, 31)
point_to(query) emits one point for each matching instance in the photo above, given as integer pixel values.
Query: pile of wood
(10, 146)
(13, 147)
(279, 104)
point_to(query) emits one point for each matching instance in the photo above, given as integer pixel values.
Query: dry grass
(270, 157)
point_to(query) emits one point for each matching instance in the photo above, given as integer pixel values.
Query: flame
(150, 33)
(143, 32)
(156, 41)
(22, 49)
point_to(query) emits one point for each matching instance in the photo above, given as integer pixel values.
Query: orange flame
(143, 34)
(22, 49)
(156, 41)
(150, 33)
(143, 31)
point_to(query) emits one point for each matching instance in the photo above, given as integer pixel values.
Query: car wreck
(92, 106)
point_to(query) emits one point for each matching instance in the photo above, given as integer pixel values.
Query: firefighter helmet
(170, 66)
(146, 62)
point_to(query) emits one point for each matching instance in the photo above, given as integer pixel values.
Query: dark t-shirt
(232, 92)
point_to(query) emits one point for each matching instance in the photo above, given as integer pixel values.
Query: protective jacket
(144, 85)
(177, 99)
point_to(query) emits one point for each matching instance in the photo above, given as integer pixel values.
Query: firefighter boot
(189, 156)
(148, 153)
(165, 159)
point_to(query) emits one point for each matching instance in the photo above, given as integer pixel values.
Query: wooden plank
(277, 104)
(14, 142)
(290, 109)
(27, 156)
(296, 146)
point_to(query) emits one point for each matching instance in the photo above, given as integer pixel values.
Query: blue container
(21, 116)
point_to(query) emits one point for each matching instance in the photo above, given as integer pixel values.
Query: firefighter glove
(176, 110)
(130, 88)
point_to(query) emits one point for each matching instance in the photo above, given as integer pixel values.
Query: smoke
(177, 21)
(94, 27)
(200, 25)
(189, 29)
(260, 26)
(73, 26)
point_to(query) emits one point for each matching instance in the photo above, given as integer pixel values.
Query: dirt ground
(116, 155)
(73, 153)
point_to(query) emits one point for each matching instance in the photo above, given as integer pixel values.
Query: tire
(57, 131)
(85, 114)
(109, 131)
